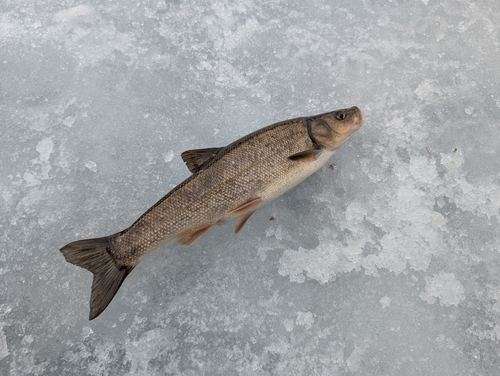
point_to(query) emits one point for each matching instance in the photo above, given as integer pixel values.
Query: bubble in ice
(168, 156)
(91, 165)
(87, 331)
(69, 121)
(385, 301)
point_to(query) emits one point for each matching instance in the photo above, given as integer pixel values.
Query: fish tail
(95, 255)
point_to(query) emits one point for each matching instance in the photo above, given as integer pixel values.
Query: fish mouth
(357, 117)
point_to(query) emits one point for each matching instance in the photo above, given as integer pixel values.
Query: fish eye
(340, 116)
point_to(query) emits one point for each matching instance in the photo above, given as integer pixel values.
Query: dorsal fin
(196, 157)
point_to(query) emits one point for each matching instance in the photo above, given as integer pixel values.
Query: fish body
(227, 183)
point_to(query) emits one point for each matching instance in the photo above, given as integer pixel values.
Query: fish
(227, 183)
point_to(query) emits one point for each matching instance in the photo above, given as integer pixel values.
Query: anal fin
(197, 157)
(306, 156)
(190, 236)
(242, 221)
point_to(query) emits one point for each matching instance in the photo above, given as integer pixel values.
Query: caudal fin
(94, 255)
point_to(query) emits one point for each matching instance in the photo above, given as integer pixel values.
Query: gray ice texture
(385, 262)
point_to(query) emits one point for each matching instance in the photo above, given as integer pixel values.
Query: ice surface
(387, 263)
(445, 287)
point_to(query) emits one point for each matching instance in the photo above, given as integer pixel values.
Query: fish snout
(356, 117)
(349, 121)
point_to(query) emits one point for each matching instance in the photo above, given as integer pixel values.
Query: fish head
(332, 129)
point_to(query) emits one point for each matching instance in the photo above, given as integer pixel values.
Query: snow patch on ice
(69, 121)
(151, 345)
(30, 179)
(278, 232)
(87, 331)
(305, 319)
(288, 324)
(91, 165)
(4, 350)
(318, 264)
(445, 287)
(354, 360)
(71, 14)
(385, 301)
(409, 229)
(45, 147)
(91, 38)
(479, 198)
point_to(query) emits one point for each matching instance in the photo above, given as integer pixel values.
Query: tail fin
(94, 255)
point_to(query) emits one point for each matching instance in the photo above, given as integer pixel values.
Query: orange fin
(248, 205)
(242, 221)
(306, 156)
(197, 157)
(189, 237)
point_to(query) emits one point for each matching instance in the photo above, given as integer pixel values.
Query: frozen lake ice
(387, 263)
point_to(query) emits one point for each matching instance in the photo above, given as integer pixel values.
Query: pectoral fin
(189, 237)
(196, 157)
(306, 156)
